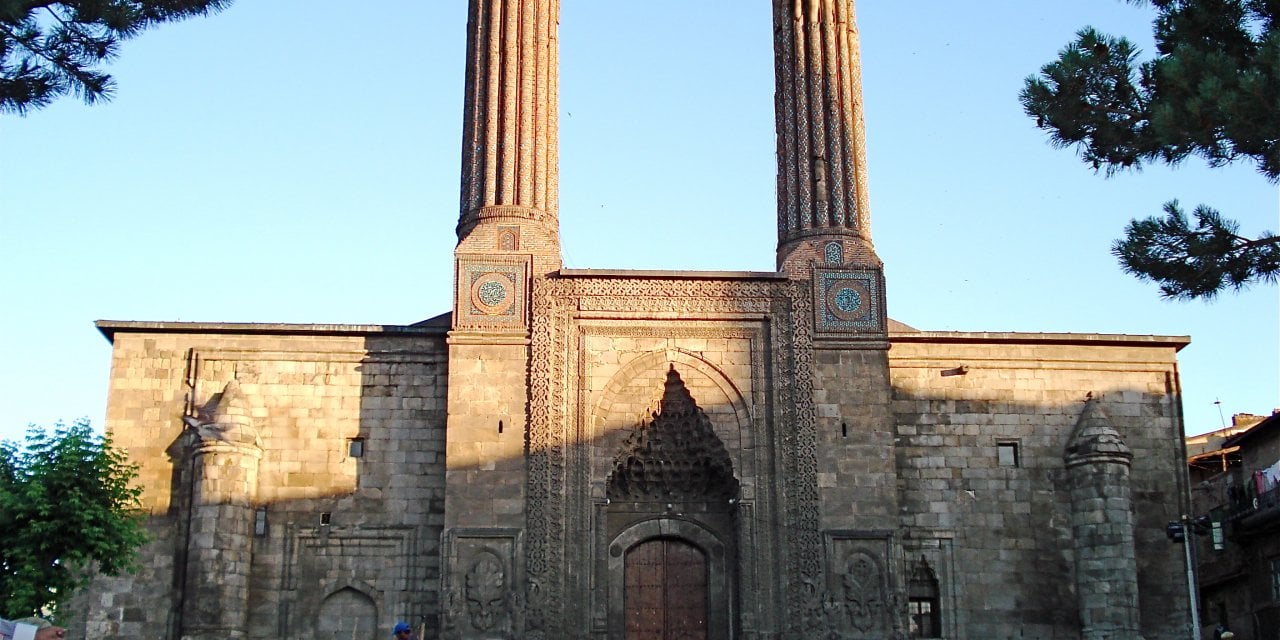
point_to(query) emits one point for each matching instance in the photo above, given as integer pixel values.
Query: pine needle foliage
(68, 507)
(1200, 260)
(1213, 91)
(51, 49)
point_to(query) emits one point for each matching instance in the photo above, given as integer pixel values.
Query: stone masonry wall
(1003, 531)
(856, 476)
(331, 527)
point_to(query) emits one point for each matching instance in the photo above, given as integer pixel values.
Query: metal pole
(1187, 540)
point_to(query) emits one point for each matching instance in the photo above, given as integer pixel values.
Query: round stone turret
(1106, 567)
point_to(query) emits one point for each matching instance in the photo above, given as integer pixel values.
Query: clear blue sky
(297, 161)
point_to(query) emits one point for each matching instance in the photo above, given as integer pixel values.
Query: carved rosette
(674, 456)
(491, 292)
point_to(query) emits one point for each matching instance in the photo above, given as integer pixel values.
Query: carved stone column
(220, 543)
(822, 193)
(509, 147)
(1102, 524)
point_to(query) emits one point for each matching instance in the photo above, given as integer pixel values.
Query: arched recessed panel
(347, 614)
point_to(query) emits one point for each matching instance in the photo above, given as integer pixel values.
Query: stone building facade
(649, 454)
(1235, 497)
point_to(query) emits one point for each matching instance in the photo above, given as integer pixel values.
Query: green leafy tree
(49, 49)
(67, 506)
(1213, 91)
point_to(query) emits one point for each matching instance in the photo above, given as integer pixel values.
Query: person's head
(402, 630)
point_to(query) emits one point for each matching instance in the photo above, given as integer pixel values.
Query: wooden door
(665, 591)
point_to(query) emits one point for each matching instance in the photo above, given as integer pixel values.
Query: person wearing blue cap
(403, 632)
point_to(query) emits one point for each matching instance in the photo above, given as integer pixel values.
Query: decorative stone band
(503, 213)
(507, 211)
(1121, 459)
(207, 447)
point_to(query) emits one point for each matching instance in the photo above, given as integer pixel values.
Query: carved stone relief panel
(861, 600)
(797, 457)
(483, 575)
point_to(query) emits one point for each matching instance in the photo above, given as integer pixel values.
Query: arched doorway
(670, 579)
(665, 591)
(671, 507)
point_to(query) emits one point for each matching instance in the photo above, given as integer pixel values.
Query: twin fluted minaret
(509, 139)
(509, 166)
(822, 181)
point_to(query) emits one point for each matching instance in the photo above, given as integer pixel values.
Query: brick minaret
(509, 150)
(508, 239)
(822, 177)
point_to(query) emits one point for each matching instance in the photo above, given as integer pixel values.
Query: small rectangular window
(260, 521)
(325, 519)
(355, 447)
(1007, 453)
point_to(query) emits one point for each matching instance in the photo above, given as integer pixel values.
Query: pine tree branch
(89, 85)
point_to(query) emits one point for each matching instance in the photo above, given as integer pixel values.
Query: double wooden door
(665, 594)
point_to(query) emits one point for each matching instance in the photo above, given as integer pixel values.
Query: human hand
(51, 633)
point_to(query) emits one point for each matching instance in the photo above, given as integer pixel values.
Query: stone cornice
(110, 328)
(1075, 339)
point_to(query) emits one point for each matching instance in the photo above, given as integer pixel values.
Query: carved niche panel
(482, 576)
(860, 601)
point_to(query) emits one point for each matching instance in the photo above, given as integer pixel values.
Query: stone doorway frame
(721, 606)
